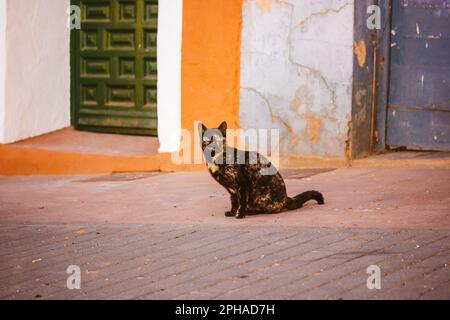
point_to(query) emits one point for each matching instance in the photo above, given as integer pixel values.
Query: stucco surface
(296, 73)
(211, 62)
(2, 66)
(37, 72)
(210, 70)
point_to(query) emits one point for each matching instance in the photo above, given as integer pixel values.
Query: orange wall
(210, 70)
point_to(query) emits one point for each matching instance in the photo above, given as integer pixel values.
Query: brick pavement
(167, 261)
(164, 236)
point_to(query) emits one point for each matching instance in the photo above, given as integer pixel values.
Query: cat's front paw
(240, 215)
(230, 214)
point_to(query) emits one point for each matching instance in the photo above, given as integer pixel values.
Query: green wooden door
(114, 67)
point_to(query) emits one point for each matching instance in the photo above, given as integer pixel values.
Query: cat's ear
(201, 129)
(223, 128)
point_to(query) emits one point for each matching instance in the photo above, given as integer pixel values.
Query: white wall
(2, 66)
(296, 73)
(35, 98)
(37, 73)
(170, 21)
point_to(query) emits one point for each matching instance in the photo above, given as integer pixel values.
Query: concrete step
(68, 151)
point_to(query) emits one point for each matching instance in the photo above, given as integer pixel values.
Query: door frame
(383, 75)
(170, 28)
(370, 82)
(73, 67)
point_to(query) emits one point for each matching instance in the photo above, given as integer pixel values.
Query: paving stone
(170, 261)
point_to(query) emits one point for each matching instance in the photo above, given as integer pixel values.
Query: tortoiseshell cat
(251, 191)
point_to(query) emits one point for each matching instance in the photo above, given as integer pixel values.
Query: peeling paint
(317, 74)
(361, 52)
(361, 113)
(301, 98)
(361, 116)
(266, 5)
(315, 124)
(359, 96)
(295, 104)
(289, 80)
(348, 141)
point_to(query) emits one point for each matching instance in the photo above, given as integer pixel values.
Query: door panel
(419, 97)
(405, 124)
(115, 66)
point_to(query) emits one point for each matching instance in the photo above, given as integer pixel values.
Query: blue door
(419, 98)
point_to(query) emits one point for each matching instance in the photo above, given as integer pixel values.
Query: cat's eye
(205, 139)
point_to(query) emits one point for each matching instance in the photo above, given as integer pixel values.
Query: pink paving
(355, 197)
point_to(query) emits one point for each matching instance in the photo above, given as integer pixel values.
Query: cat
(251, 192)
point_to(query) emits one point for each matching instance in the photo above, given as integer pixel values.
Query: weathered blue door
(419, 97)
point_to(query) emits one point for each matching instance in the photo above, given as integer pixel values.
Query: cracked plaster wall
(296, 73)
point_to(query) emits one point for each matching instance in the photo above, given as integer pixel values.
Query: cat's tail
(298, 201)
